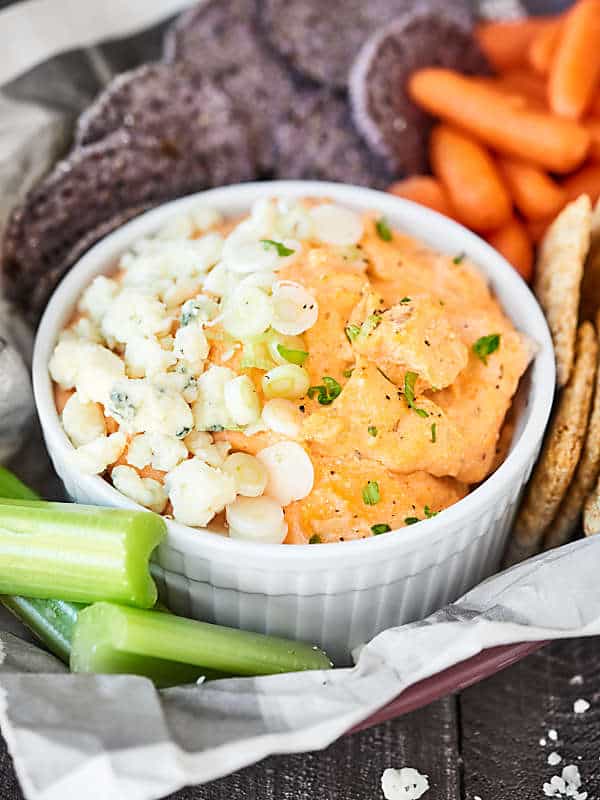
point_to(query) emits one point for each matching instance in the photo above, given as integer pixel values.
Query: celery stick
(77, 553)
(11, 486)
(109, 638)
(52, 621)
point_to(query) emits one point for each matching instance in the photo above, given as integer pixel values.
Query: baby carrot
(526, 84)
(595, 105)
(473, 183)
(505, 44)
(544, 46)
(537, 228)
(534, 192)
(584, 181)
(425, 190)
(516, 98)
(512, 240)
(575, 70)
(559, 145)
(593, 126)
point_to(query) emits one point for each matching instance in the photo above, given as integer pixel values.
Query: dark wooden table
(482, 743)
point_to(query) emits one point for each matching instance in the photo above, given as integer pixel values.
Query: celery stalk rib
(78, 553)
(51, 621)
(107, 634)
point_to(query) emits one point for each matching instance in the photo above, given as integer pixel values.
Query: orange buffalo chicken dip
(306, 374)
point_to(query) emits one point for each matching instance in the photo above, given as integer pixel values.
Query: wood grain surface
(482, 743)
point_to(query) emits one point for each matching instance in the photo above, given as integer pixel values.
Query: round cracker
(320, 39)
(392, 125)
(558, 275)
(316, 139)
(569, 512)
(590, 286)
(591, 512)
(560, 454)
(99, 183)
(220, 39)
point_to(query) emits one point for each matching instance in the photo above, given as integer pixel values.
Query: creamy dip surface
(306, 374)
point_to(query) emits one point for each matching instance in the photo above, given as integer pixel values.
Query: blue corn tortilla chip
(315, 139)
(100, 185)
(320, 38)
(221, 40)
(392, 126)
(164, 100)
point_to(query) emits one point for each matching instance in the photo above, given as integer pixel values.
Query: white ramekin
(336, 595)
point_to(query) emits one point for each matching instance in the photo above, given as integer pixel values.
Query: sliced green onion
(429, 513)
(325, 392)
(282, 250)
(381, 527)
(370, 493)
(293, 356)
(315, 539)
(369, 325)
(409, 392)
(352, 331)
(77, 553)
(411, 520)
(486, 345)
(433, 432)
(255, 354)
(372, 430)
(383, 229)
(287, 380)
(110, 638)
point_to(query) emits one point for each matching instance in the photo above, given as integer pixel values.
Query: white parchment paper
(117, 738)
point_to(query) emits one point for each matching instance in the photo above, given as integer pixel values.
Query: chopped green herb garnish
(369, 325)
(459, 258)
(411, 520)
(282, 250)
(486, 345)
(348, 373)
(372, 430)
(381, 527)
(429, 513)
(370, 493)
(315, 539)
(405, 300)
(409, 392)
(409, 388)
(326, 392)
(433, 432)
(182, 432)
(293, 356)
(383, 229)
(352, 332)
